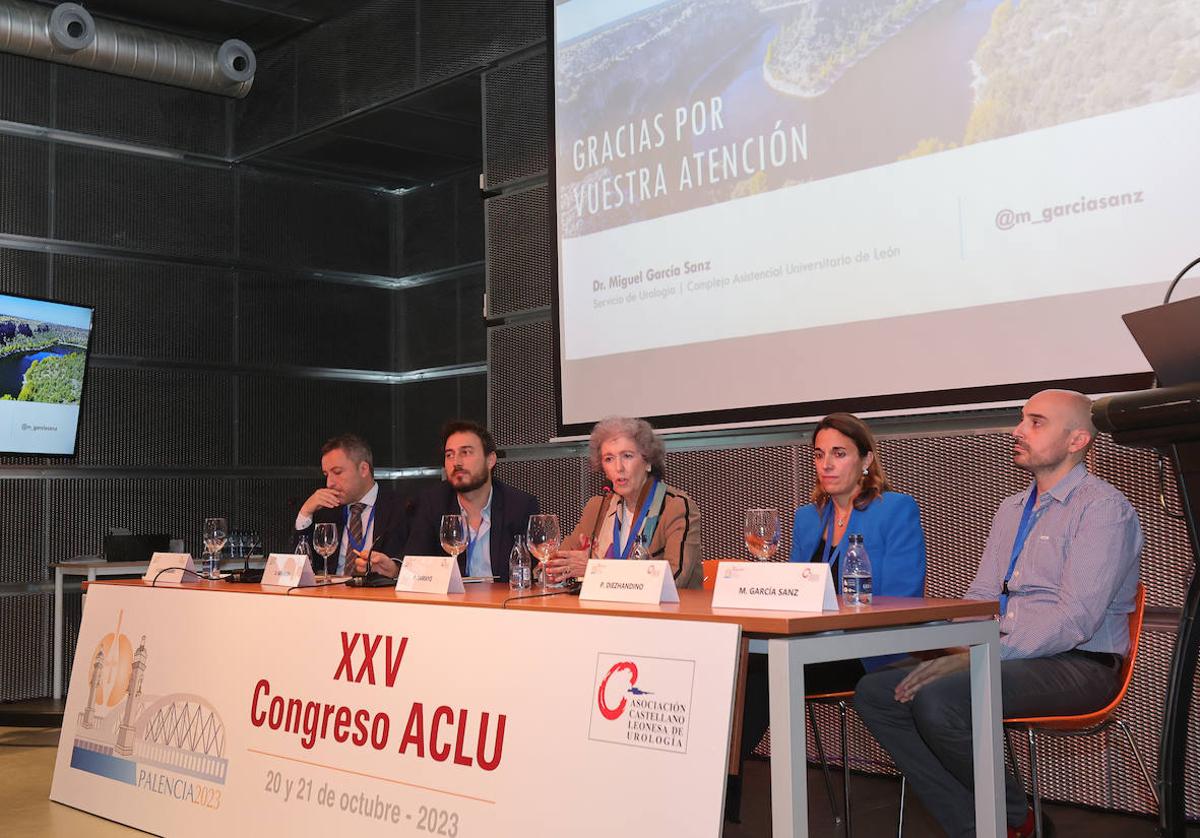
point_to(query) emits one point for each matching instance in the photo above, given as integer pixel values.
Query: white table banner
(778, 586)
(321, 717)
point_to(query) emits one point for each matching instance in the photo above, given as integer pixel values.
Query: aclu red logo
(620, 674)
(644, 702)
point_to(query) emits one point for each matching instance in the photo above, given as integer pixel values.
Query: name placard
(288, 570)
(429, 575)
(778, 586)
(170, 567)
(621, 580)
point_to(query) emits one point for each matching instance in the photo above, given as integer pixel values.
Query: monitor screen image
(43, 361)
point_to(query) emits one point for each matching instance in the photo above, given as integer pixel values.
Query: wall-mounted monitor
(768, 209)
(43, 362)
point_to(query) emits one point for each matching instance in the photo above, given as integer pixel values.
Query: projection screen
(768, 209)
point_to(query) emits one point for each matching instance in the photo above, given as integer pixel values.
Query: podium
(1167, 419)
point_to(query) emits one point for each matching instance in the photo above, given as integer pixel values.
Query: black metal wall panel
(192, 308)
(72, 617)
(144, 204)
(364, 57)
(443, 324)
(958, 483)
(555, 483)
(425, 407)
(472, 397)
(157, 418)
(472, 337)
(284, 421)
(25, 90)
(428, 223)
(269, 111)
(458, 35)
(83, 509)
(136, 111)
(23, 272)
(1167, 562)
(515, 121)
(24, 181)
(518, 252)
(293, 321)
(521, 395)
(22, 554)
(469, 243)
(410, 488)
(432, 322)
(399, 46)
(724, 483)
(25, 653)
(269, 507)
(290, 222)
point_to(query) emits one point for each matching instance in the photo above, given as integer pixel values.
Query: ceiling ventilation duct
(68, 34)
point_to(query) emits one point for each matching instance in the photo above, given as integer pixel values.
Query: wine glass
(325, 542)
(762, 532)
(453, 534)
(543, 539)
(216, 533)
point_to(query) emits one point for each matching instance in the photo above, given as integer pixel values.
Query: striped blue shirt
(1076, 577)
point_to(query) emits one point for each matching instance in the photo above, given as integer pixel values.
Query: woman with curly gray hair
(637, 504)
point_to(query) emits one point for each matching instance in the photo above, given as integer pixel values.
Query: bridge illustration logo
(128, 735)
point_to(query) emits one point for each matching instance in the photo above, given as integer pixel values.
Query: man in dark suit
(372, 523)
(495, 512)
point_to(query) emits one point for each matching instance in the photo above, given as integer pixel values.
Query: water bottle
(520, 566)
(856, 574)
(640, 551)
(302, 548)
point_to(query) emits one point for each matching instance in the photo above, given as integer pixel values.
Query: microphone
(605, 492)
(371, 579)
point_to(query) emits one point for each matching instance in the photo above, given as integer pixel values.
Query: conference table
(890, 625)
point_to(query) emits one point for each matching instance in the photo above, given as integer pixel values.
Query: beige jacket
(676, 539)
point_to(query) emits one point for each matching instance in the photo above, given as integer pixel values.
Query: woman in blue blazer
(852, 496)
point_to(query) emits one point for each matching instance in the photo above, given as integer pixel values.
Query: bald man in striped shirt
(1062, 559)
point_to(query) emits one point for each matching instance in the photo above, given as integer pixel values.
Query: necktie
(356, 530)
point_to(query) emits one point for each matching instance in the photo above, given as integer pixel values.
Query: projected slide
(926, 194)
(43, 356)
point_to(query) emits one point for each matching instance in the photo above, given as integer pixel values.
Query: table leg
(58, 633)
(789, 762)
(986, 732)
(739, 703)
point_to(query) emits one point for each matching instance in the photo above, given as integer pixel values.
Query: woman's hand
(566, 564)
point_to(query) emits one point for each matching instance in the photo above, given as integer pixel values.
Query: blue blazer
(891, 531)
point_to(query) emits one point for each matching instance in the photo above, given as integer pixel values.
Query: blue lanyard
(1028, 519)
(633, 531)
(350, 542)
(831, 546)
